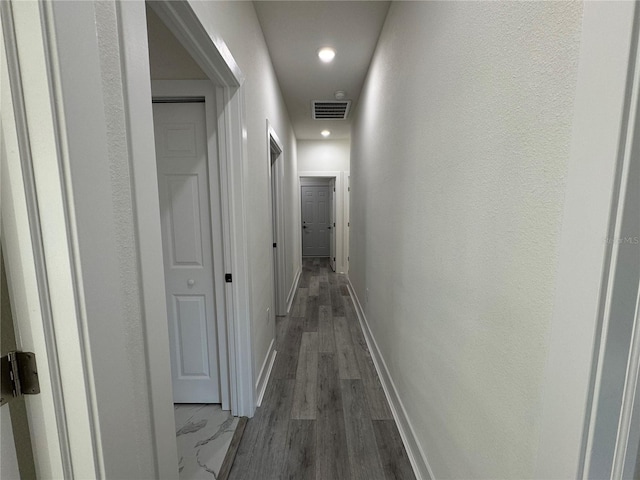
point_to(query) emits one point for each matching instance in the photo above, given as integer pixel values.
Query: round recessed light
(326, 54)
(325, 133)
(339, 95)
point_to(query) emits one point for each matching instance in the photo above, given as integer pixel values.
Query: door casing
(276, 198)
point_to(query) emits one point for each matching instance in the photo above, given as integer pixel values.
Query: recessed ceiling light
(339, 95)
(326, 54)
(325, 133)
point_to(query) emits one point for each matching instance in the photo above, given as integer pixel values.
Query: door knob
(191, 282)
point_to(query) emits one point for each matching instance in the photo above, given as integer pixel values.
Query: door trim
(279, 268)
(340, 225)
(195, 89)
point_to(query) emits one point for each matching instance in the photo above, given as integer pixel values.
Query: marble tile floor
(203, 432)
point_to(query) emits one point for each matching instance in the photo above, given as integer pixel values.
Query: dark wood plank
(326, 339)
(227, 462)
(301, 450)
(393, 455)
(324, 297)
(311, 315)
(324, 274)
(305, 276)
(286, 362)
(314, 286)
(304, 405)
(347, 361)
(364, 459)
(329, 389)
(333, 279)
(376, 399)
(282, 325)
(262, 450)
(332, 460)
(337, 302)
(300, 303)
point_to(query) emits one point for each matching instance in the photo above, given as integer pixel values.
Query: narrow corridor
(324, 415)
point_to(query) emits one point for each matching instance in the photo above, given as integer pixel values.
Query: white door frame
(273, 141)
(189, 89)
(340, 258)
(216, 61)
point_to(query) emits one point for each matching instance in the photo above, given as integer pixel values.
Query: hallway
(324, 414)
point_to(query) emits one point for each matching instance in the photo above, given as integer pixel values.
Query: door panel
(191, 338)
(315, 221)
(181, 150)
(184, 218)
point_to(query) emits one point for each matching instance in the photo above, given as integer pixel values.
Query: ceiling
(296, 30)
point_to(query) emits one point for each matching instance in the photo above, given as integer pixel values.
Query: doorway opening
(199, 213)
(276, 175)
(318, 218)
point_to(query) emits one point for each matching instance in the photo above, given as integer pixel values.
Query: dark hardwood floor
(324, 415)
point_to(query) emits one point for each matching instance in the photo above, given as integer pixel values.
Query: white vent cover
(330, 109)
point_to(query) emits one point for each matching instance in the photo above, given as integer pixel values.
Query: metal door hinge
(227, 277)
(19, 376)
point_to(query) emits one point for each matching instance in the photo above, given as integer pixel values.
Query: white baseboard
(417, 457)
(265, 372)
(294, 287)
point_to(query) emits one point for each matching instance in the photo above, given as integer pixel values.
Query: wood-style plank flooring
(324, 415)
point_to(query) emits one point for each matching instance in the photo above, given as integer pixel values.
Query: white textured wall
(323, 155)
(458, 166)
(237, 24)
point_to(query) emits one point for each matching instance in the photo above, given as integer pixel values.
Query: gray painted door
(315, 221)
(332, 224)
(181, 150)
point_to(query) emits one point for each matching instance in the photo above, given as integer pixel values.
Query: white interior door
(181, 149)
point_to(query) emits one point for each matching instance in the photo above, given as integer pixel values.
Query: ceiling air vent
(331, 109)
